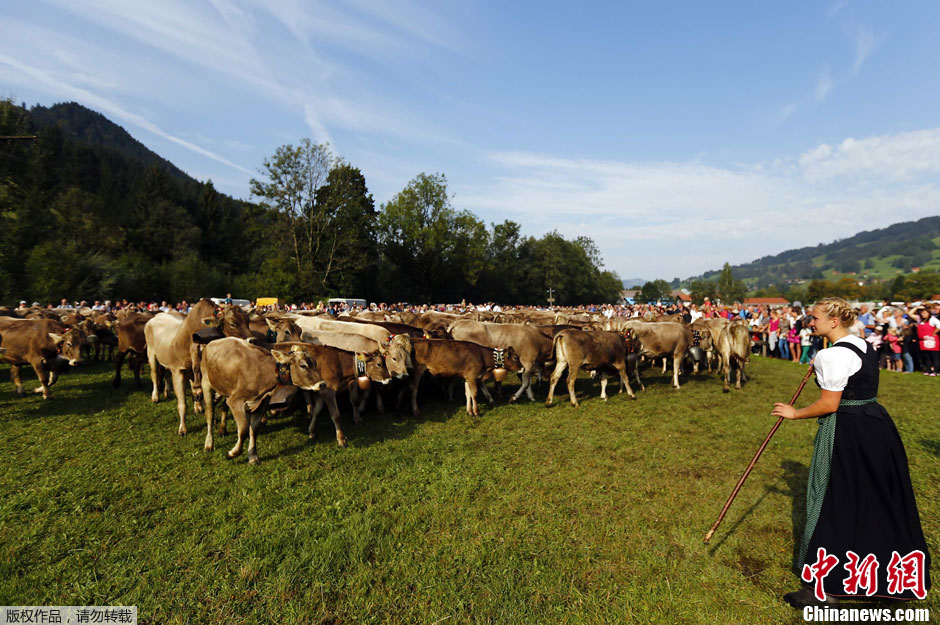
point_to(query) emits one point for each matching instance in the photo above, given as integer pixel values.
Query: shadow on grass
(795, 475)
(931, 446)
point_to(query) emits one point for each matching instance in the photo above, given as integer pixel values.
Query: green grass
(523, 515)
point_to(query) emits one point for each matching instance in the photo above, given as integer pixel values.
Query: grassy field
(523, 515)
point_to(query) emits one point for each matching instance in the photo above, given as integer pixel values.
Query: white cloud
(888, 158)
(865, 44)
(675, 219)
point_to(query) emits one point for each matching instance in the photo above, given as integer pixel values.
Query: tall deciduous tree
(348, 255)
(292, 178)
(431, 250)
(730, 289)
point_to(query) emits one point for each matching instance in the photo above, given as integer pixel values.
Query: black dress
(869, 506)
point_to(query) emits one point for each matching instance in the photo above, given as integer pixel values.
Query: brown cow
(339, 370)
(661, 340)
(598, 352)
(169, 336)
(714, 327)
(533, 347)
(246, 376)
(397, 359)
(733, 345)
(38, 342)
(447, 359)
(132, 344)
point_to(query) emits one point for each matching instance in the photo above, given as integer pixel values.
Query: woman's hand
(827, 403)
(784, 410)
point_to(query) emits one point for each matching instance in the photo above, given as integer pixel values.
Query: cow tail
(555, 346)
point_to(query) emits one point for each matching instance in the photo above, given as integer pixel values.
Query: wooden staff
(747, 472)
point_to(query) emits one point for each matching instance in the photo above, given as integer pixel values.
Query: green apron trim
(819, 471)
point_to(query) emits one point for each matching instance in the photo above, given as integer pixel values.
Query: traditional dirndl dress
(859, 497)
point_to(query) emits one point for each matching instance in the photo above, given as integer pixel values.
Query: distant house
(629, 296)
(681, 296)
(766, 301)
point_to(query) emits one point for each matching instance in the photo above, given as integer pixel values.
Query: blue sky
(677, 135)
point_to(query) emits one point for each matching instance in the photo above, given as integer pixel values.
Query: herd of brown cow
(259, 361)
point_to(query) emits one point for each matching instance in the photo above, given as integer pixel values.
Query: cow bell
(499, 374)
(364, 382)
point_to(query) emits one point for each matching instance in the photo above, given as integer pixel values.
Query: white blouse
(834, 367)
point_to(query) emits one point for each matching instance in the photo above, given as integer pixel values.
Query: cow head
(704, 339)
(397, 355)
(511, 360)
(375, 368)
(69, 344)
(631, 341)
(231, 321)
(285, 329)
(302, 366)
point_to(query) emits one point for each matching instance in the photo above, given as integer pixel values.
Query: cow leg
(118, 363)
(526, 386)
(365, 397)
(726, 367)
(470, 388)
(218, 399)
(572, 378)
(664, 366)
(379, 403)
(237, 406)
(334, 414)
(740, 373)
(196, 389)
(676, 365)
(624, 379)
(207, 392)
(354, 400)
(52, 376)
(466, 394)
(154, 375)
(136, 363)
(451, 383)
(486, 393)
(179, 389)
(43, 376)
(254, 423)
(560, 367)
(636, 375)
(604, 385)
(415, 380)
(15, 377)
(499, 388)
(314, 411)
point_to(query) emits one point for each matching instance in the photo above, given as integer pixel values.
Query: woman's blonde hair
(838, 308)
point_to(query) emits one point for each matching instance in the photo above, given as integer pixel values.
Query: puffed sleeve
(834, 366)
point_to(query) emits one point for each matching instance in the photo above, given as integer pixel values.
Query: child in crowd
(893, 341)
(805, 342)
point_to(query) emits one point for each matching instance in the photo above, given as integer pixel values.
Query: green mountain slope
(874, 255)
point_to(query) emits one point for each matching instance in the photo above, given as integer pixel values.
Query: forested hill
(93, 128)
(88, 212)
(870, 255)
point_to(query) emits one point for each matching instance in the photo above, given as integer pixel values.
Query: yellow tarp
(267, 301)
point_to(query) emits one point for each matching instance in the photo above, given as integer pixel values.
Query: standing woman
(859, 496)
(927, 329)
